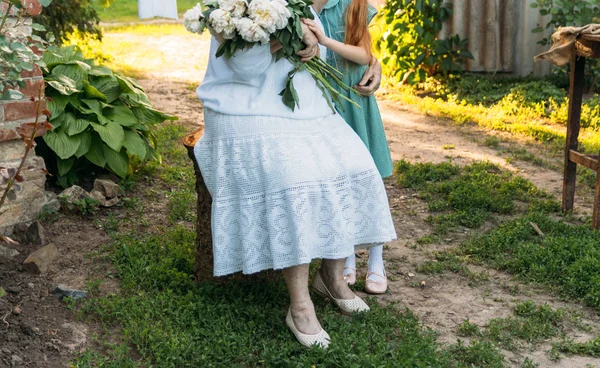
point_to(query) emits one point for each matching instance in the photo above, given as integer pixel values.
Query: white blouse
(250, 82)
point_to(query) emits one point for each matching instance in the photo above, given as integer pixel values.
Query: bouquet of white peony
(245, 23)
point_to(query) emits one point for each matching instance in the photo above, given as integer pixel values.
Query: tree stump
(204, 265)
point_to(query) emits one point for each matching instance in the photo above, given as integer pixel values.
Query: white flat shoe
(321, 339)
(347, 306)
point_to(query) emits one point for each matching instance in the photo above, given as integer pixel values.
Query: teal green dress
(366, 122)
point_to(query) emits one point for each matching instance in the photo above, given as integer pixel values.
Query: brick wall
(30, 196)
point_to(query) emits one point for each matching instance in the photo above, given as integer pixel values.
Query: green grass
(530, 325)
(589, 348)
(166, 319)
(567, 257)
(529, 107)
(127, 10)
(469, 196)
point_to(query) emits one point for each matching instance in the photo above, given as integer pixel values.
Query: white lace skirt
(288, 191)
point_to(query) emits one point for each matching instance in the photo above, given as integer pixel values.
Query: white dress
(157, 8)
(287, 187)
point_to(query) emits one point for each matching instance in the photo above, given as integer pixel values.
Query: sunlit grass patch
(534, 108)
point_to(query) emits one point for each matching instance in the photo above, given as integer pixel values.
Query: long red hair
(357, 25)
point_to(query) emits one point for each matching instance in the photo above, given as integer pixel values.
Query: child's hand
(323, 39)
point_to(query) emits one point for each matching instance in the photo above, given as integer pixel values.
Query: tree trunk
(204, 251)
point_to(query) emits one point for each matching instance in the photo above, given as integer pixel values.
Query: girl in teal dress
(347, 37)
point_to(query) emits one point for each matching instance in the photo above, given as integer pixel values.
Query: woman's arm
(357, 54)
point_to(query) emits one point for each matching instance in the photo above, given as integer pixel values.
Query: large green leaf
(95, 154)
(101, 71)
(112, 134)
(135, 144)
(74, 71)
(84, 146)
(64, 166)
(63, 145)
(151, 116)
(107, 86)
(96, 107)
(118, 162)
(63, 84)
(76, 126)
(56, 103)
(91, 91)
(62, 55)
(65, 120)
(132, 92)
(122, 115)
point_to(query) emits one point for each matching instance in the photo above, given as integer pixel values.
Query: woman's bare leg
(332, 273)
(301, 306)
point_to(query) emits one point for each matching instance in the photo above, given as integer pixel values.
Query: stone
(78, 336)
(16, 361)
(36, 234)
(97, 195)
(8, 253)
(39, 261)
(63, 291)
(111, 202)
(52, 203)
(17, 310)
(109, 189)
(74, 193)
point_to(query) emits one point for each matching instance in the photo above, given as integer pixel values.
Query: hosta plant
(99, 118)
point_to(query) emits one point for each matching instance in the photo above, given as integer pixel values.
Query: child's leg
(350, 270)
(376, 267)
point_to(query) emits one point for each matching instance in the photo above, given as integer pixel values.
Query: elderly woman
(288, 186)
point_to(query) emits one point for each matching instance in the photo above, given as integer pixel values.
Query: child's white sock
(376, 264)
(350, 266)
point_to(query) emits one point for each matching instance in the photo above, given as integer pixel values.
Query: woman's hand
(312, 44)
(314, 28)
(371, 80)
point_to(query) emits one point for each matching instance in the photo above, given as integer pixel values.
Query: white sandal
(321, 339)
(347, 306)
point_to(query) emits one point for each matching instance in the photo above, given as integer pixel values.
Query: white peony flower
(269, 15)
(283, 13)
(223, 23)
(191, 19)
(251, 31)
(236, 7)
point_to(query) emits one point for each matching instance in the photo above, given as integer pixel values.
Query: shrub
(410, 47)
(63, 17)
(100, 118)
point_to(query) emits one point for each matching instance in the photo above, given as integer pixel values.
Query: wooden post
(204, 265)
(575, 99)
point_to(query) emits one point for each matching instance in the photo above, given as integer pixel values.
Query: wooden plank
(596, 214)
(573, 124)
(589, 161)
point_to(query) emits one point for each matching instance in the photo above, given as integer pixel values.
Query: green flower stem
(318, 74)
